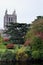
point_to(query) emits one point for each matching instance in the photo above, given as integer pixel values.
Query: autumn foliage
(10, 46)
(27, 42)
(36, 29)
(40, 34)
(5, 39)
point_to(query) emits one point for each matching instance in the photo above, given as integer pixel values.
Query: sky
(26, 10)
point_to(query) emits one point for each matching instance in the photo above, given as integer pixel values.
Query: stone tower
(9, 18)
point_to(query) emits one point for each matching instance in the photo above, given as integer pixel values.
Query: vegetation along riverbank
(25, 42)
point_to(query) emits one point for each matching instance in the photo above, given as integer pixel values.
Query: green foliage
(28, 51)
(36, 54)
(2, 46)
(36, 43)
(41, 54)
(5, 43)
(21, 55)
(21, 52)
(36, 26)
(17, 31)
(16, 48)
(35, 35)
(39, 17)
(7, 55)
(1, 39)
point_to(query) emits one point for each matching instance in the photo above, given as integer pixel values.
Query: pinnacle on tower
(5, 12)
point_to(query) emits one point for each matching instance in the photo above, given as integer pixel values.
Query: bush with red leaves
(10, 46)
(27, 42)
(39, 34)
(6, 39)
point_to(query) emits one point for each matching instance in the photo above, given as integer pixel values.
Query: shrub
(21, 56)
(10, 46)
(7, 55)
(5, 39)
(5, 43)
(2, 46)
(39, 34)
(27, 42)
(35, 54)
(28, 51)
(41, 54)
(36, 43)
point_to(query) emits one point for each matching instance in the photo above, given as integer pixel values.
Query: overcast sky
(26, 10)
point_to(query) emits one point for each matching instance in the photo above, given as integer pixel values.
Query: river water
(20, 63)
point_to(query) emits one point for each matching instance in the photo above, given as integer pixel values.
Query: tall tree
(17, 31)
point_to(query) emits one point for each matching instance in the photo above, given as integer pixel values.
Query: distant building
(9, 18)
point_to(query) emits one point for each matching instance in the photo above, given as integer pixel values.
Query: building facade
(10, 18)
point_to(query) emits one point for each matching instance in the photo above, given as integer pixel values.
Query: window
(9, 19)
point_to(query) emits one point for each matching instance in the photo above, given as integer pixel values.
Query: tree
(35, 35)
(37, 43)
(17, 31)
(36, 28)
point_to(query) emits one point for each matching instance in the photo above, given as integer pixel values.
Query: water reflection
(19, 63)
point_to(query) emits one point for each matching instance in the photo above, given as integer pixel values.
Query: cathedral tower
(10, 18)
